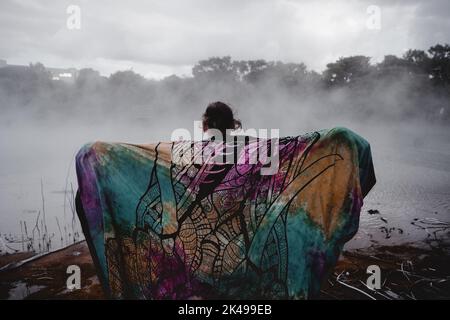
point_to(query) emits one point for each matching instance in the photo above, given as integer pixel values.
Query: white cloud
(157, 38)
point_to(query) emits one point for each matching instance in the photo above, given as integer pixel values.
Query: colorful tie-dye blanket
(161, 226)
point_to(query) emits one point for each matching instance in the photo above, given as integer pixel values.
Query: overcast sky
(159, 38)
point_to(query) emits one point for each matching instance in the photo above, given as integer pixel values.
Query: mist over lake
(405, 118)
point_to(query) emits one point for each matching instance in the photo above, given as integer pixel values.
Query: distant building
(57, 74)
(69, 74)
(11, 67)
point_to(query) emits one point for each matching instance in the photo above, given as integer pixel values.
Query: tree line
(416, 84)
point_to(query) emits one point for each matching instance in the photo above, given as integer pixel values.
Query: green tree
(440, 64)
(88, 78)
(346, 70)
(126, 78)
(216, 68)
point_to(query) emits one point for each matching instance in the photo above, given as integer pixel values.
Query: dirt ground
(45, 277)
(407, 272)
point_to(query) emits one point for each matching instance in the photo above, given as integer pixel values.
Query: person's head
(218, 115)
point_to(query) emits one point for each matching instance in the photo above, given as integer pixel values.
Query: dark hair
(218, 115)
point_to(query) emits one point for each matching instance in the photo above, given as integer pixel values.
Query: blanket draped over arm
(160, 227)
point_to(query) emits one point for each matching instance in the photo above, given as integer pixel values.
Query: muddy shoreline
(407, 272)
(45, 277)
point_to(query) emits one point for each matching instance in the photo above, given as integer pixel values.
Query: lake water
(412, 165)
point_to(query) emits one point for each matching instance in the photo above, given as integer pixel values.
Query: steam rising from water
(40, 133)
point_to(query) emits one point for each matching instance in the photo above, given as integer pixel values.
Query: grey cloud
(173, 34)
